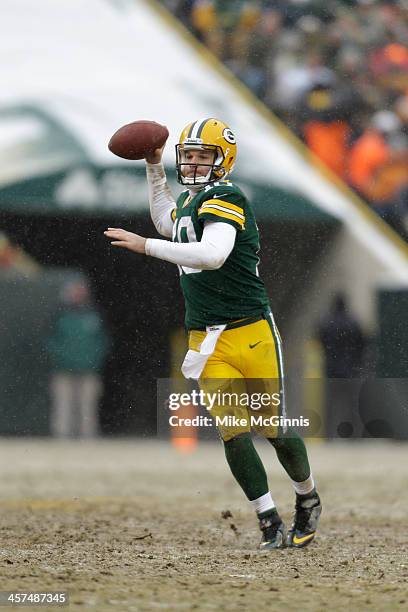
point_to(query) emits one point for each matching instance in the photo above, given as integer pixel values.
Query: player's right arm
(161, 200)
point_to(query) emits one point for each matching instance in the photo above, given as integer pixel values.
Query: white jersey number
(183, 231)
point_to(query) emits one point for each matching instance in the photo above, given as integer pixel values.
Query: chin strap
(205, 182)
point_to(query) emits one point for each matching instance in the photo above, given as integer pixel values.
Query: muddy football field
(136, 525)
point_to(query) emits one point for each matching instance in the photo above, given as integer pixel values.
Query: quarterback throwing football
(234, 344)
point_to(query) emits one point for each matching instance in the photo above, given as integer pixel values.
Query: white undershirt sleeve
(161, 200)
(210, 253)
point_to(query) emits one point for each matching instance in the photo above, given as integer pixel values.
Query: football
(137, 139)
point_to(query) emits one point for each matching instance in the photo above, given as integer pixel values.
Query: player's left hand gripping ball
(126, 240)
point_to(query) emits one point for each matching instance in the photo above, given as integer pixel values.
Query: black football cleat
(307, 512)
(273, 532)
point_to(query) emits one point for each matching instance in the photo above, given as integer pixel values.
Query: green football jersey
(235, 290)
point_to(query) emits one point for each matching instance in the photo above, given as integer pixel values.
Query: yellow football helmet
(207, 134)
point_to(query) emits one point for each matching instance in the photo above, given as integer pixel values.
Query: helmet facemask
(216, 171)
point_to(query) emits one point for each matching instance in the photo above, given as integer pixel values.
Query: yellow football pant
(246, 364)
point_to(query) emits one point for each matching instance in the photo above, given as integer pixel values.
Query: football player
(234, 344)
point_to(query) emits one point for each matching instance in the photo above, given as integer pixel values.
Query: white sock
(304, 487)
(263, 503)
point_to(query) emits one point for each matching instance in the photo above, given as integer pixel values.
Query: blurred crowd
(14, 259)
(335, 71)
